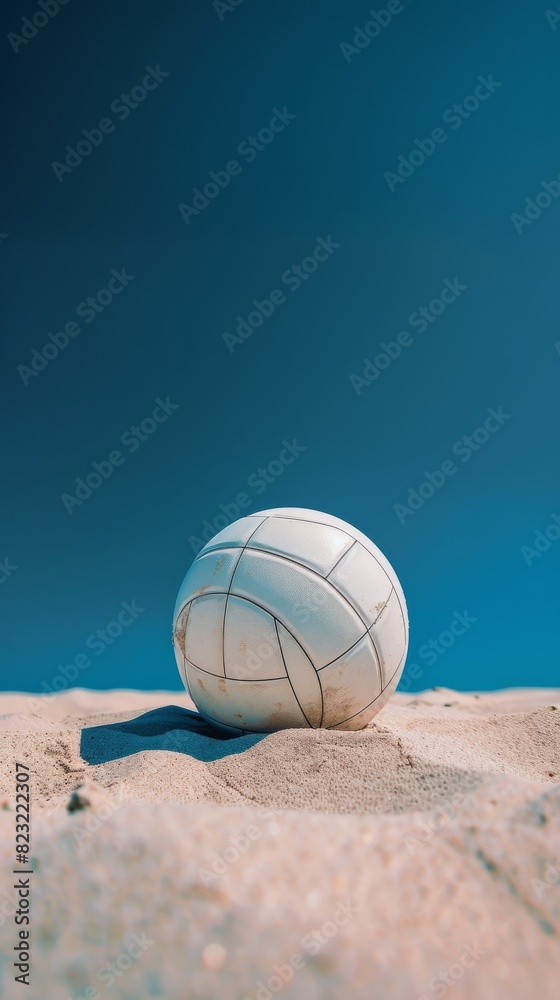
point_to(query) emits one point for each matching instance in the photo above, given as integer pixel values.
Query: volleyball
(290, 618)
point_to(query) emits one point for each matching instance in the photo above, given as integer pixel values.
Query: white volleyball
(290, 618)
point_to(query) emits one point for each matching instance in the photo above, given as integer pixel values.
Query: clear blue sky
(393, 241)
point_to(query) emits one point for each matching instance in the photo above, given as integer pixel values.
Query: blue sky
(299, 120)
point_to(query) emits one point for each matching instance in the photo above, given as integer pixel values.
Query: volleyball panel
(319, 517)
(209, 573)
(204, 633)
(350, 683)
(303, 677)
(390, 637)
(317, 615)
(363, 581)
(235, 535)
(361, 719)
(256, 706)
(317, 546)
(251, 649)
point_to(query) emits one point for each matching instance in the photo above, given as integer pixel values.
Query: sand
(417, 858)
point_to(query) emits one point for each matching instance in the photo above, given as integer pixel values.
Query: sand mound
(418, 857)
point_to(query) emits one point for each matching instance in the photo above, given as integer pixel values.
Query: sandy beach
(417, 858)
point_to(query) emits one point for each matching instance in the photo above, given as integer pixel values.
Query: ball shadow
(171, 728)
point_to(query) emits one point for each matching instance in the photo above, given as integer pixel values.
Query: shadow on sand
(169, 728)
